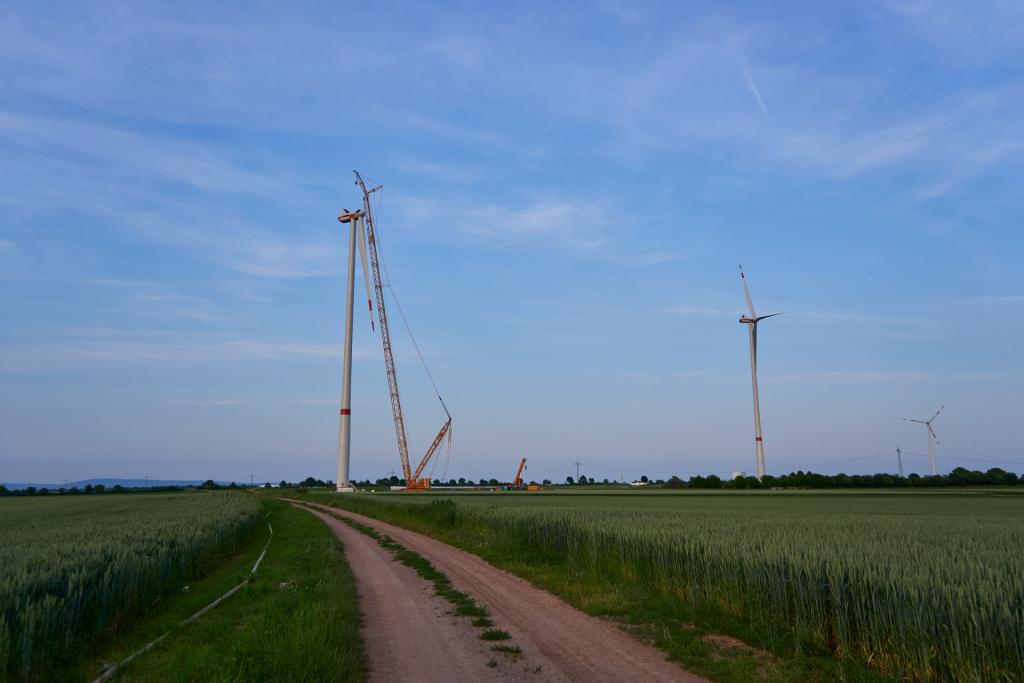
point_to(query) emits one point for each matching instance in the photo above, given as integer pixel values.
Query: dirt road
(410, 636)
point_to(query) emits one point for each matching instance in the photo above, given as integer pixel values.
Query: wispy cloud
(447, 172)
(461, 50)
(570, 224)
(212, 232)
(1004, 299)
(702, 311)
(856, 317)
(118, 178)
(160, 300)
(834, 123)
(581, 226)
(180, 160)
(622, 10)
(49, 356)
(890, 376)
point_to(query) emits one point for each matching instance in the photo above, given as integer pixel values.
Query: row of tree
(88, 489)
(800, 479)
(958, 477)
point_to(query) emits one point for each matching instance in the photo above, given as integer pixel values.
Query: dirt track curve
(410, 634)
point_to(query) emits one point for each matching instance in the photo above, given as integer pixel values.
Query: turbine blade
(937, 413)
(932, 432)
(746, 293)
(770, 315)
(366, 271)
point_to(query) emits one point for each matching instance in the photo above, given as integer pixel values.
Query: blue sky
(568, 191)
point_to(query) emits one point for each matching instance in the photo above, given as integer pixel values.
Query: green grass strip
(298, 619)
(111, 670)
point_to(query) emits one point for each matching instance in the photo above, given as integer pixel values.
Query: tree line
(960, 476)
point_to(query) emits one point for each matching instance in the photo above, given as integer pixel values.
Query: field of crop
(914, 586)
(76, 566)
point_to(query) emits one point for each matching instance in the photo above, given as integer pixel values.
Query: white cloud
(571, 224)
(890, 376)
(156, 299)
(447, 172)
(1006, 299)
(74, 353)
(181, 160)
(210, 232)
(581, 226)
(702, 311)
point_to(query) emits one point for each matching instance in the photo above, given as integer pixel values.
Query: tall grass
(76, 566)
(911, 590)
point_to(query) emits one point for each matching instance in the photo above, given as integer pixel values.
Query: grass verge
(297, 620)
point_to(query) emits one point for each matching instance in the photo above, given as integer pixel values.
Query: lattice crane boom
(413, 481)
(385, 333)
(445, 429)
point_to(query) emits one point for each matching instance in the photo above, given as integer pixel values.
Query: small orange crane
(517, 483)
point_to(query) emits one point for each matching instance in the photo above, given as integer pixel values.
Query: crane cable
(426, 368)
(401, 314)
(416, 346)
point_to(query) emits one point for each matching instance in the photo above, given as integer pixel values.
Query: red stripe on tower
(757, 438)
(346, 411)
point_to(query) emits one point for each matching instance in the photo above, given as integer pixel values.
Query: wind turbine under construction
(751, 323)
(933, 440)
(362, 232)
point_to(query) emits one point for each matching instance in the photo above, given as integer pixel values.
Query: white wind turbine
(357, 235)
(751, 323)
(933, 440)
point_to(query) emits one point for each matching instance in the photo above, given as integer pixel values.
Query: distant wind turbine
(933, 440)
(751, 323)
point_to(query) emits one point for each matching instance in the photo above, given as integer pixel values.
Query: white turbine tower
(751, 323)
(354, 221)
(933, 440)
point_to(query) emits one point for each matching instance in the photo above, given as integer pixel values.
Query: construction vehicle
(414, 479)
(517, 483)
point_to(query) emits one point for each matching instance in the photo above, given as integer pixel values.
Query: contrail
(748, 80)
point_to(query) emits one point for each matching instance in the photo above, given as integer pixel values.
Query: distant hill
(127, 483)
